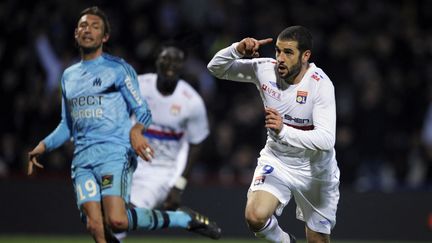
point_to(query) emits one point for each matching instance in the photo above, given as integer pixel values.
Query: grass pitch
(135, 239)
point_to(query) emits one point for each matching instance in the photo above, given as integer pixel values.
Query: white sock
(272, 232)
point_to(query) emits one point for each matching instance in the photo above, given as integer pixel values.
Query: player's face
(289, 60)
(89, 33)
(169, 63)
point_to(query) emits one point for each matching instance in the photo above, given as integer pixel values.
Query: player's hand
(140, 144)
(32, 157)
(248, 47)
(173, 200)
(273, 120)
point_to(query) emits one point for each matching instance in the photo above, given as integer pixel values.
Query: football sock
(272, 232)
(147, 219)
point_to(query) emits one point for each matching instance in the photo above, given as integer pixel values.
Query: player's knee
(117, 224)
(256, 219)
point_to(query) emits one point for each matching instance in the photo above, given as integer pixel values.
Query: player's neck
(300, 76)
(166, 87)
(91, 55)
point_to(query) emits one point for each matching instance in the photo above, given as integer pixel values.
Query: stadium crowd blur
(377, 53)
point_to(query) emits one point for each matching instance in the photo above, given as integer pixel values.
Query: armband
(181, 183)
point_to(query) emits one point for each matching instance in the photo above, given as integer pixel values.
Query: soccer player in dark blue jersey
(98, 96)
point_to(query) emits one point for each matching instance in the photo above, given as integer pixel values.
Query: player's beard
(90, 49)
(293, 72)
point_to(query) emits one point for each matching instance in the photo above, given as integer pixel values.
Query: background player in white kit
(298, 159)
(179, 125)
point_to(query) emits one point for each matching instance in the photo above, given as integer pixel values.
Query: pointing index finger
(265, 41)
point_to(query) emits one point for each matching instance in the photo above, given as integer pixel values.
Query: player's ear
(306, 55)
(105, 38)
(76, 33)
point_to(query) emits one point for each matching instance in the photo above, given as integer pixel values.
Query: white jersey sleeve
(323, 136)
(227, 64)
(197, 126)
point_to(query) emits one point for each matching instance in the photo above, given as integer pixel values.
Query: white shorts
(316, 199)
(151, 184)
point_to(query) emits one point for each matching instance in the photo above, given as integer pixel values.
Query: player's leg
(316, 237)
(317, 206)
(260, 207)
(114, 208)
(150, 185)
(118, 217)
(185, 218)
(259, 216)
(115, 192)
(268, 192)
(94, 220)
(88, 200)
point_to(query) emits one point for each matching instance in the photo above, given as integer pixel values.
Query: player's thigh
(260, 204)
(268, 188)
(317, 205)
(114, 208)
(86, 186)
(115, 178)
(93, 212)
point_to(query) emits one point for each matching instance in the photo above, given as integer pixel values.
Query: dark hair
(98, 12)
(300, 34)
(169, 44)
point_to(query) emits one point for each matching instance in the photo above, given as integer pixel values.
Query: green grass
(135, 239)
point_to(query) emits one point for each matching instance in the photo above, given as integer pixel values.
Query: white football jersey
(308, 109)
(178, 119)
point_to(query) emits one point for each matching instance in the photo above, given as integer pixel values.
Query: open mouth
(87, 39)
(281, 68)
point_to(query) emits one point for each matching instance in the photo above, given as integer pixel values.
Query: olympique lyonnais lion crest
(301, 97)
(175, 109)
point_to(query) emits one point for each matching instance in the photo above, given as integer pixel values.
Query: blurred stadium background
(377, 53)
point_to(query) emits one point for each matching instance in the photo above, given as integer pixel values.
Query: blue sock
(178, 219)
(147, 219)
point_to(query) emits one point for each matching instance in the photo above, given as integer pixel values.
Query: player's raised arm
(229, 64)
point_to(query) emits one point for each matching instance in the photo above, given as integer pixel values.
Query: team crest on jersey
(301, 97)
(259, 180)
(107, 181)
(97, 82)
(175, 109)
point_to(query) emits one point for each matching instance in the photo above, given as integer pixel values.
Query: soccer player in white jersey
(99, 93)
(179, 126)
(298, 159)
